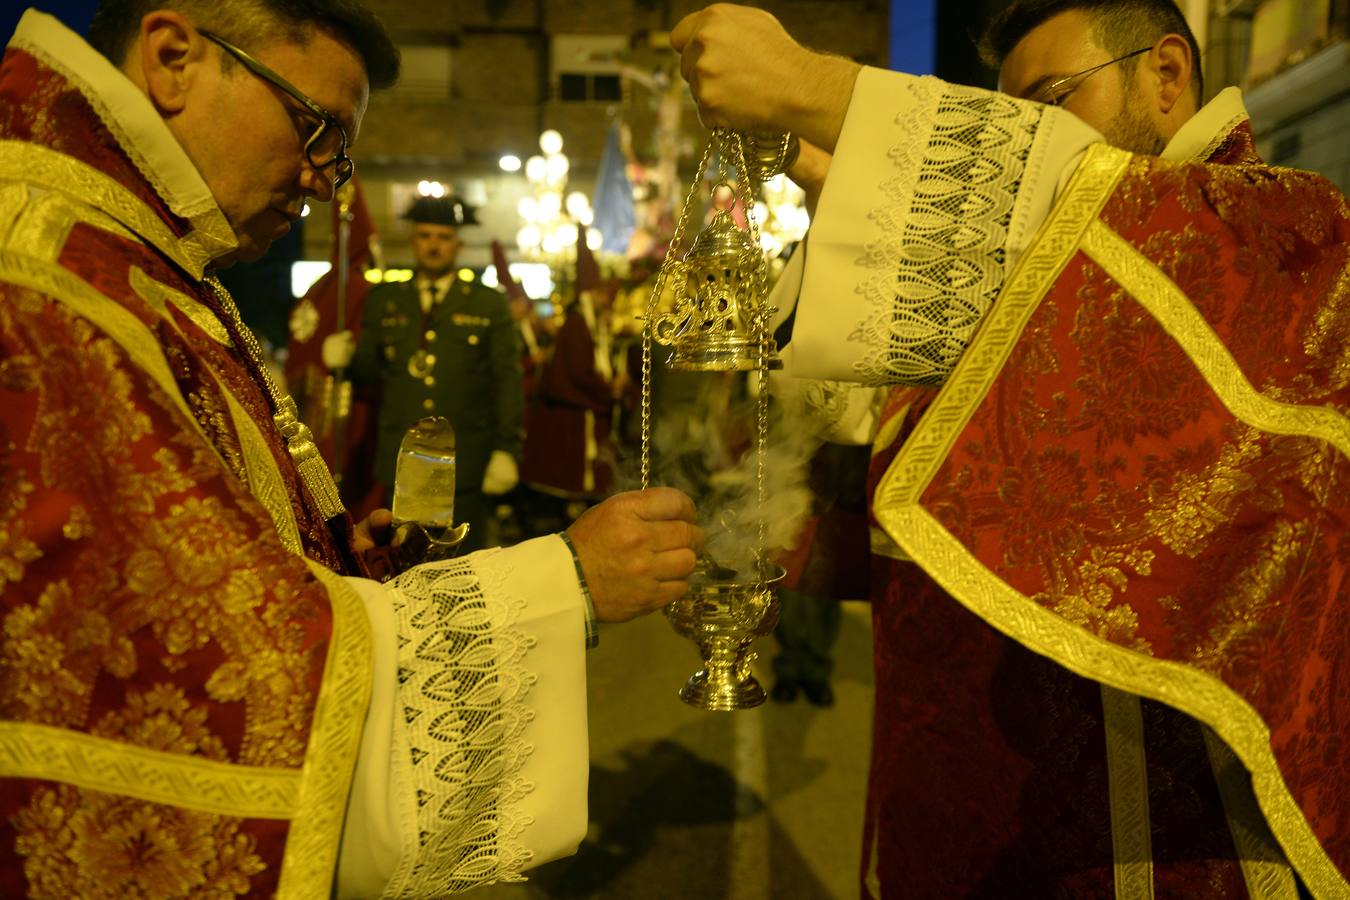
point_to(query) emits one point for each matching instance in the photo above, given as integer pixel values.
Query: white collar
(1202, 134)
(131, 118)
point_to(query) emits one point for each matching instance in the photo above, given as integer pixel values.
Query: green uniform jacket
(475, 381)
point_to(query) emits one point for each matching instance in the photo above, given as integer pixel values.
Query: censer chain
(658, 289)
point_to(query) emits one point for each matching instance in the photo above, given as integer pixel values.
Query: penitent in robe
(1112, 642)
(199, 696)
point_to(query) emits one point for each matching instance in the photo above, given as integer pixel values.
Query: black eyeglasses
(327, 146)
(1052, 94)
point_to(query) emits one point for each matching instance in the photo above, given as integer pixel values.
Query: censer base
(722, 691)
(722, 617)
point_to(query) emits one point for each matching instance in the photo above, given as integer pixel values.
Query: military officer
(442, 346)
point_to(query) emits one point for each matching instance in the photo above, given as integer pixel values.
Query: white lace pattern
(944, 220)
(462, 688)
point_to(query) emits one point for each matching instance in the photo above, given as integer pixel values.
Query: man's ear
(171, 58)
(1172, 63)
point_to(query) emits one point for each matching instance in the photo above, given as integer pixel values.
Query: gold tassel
(299, 441)
(313, 471)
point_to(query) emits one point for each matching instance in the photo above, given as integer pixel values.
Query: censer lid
(722, 238)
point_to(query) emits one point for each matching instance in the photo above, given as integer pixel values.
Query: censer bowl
(722, 613)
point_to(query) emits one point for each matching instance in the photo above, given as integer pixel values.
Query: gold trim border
(34, 164)
(264, 476)
(1264, 868)
(310, 863)
(42, 752)
(1054, 245)
(1150, 287)
(1127, 785)
(980, 590)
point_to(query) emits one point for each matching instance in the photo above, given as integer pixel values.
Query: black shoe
(784, 691)
(819, 693)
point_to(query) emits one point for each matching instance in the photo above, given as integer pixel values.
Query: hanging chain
(760, 333)
(649, 320)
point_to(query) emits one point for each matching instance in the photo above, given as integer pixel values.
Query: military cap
(450, 211)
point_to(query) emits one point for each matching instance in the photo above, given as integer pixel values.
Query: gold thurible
(719, 322)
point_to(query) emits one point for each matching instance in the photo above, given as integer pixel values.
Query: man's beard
(1131, 129)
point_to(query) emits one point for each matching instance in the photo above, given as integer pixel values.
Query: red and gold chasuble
(182, 676)
(1116, 658)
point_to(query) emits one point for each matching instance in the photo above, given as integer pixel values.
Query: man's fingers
(668, 592)
(673, 565)
(678, 535)
(684, 30)
(689, 58)
(663, 503)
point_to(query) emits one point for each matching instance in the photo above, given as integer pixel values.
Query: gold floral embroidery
(17, 550)
(1328, 340)
(1241, 603)
(79, 843)
(79, 524)
(187, 570)
(1049, 486)
(1100, 577)
(50, 655)
(215, 422)
(1189, 511)
(940, 551)
(1162, 299)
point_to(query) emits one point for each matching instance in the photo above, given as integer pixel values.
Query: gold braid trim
(114, 767)
(1127, 777)
(160, 295)
(965, 578)
(54, 171)
(264, 478)
(1168, 304)
(1160, 296)
(299, 441)
(310, 863)
(1264, 868)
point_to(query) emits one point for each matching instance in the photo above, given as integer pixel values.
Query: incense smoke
(706, 449)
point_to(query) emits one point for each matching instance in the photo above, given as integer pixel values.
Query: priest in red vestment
(1111, 644)
(199, 693)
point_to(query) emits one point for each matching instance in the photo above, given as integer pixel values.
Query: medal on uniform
(421, 363)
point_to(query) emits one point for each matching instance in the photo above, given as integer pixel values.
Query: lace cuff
(944, 220)
(934, 191)
(462, 685)
(473, 802)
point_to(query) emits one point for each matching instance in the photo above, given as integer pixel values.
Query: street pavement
(686, 804)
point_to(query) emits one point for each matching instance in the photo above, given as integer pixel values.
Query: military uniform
(460, 360)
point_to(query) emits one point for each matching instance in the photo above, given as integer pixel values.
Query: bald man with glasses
(203, 691)
(1111, 484)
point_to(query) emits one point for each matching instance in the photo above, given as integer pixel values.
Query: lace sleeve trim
(462, 689)
(944, 221)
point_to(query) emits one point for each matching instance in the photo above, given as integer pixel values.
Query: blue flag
(613, 202)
